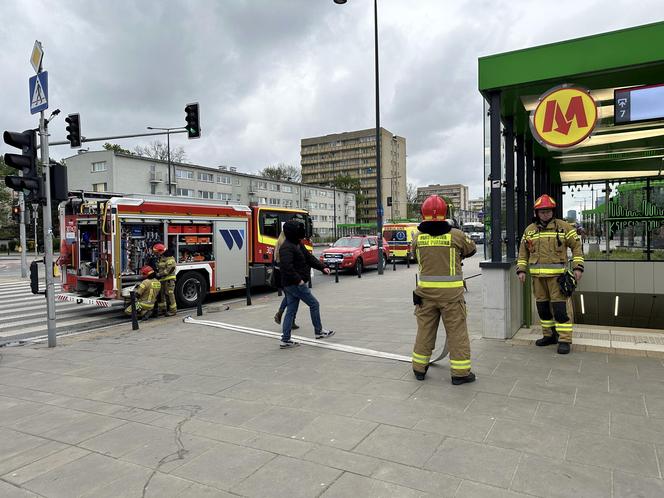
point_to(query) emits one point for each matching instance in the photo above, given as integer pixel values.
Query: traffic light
(16, 214)
(193, 121)
(389, 201)
(73, 130)
(58, 180)
(31, 183)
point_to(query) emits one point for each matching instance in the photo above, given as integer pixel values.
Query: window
(100, 166)
(184, 192)
(287, 188)
(313, 205)
(184, 174)
(274, 202)
(222, 196)
(287, 203)
(225, 179)
(323, 218)
(262, 185)
(274, 187)
(239, 197)
(99, 187)
(206, 177)
(238, 182)
(270, 225)
(262, 200)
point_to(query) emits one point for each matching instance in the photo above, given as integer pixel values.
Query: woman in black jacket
(295, 263)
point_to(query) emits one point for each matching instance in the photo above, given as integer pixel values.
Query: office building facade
(354, 154)
(109, 171)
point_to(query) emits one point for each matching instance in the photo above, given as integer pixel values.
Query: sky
(268, 73)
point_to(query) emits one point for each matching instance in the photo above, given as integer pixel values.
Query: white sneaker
(324, 334)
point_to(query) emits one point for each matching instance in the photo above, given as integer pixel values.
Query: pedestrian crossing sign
(39, 92)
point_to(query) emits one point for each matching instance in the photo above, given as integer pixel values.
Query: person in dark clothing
(295, 265)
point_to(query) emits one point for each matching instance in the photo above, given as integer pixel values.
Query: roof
(600, 63)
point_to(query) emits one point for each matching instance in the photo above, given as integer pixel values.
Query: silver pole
(48, 234)
(35, 217)
(22, 236)
(606, 215)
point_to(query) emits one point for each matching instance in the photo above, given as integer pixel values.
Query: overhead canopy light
(577, 176)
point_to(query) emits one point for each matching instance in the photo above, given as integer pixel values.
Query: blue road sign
(39, 92)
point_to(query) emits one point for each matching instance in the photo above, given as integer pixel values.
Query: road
(23, 315)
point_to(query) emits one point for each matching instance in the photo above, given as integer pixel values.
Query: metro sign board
(564, 117)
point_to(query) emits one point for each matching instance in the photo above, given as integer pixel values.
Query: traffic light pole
(22, 236)
(48, 234)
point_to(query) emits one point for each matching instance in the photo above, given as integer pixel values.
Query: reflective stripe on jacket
(543, 250)
(439, 260)
(166, 268)
(147, 293)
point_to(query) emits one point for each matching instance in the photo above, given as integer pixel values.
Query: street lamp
(168, 149)
(379, 200)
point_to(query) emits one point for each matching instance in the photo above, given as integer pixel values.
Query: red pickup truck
(354, 253)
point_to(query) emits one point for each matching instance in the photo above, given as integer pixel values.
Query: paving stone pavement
(184, 410)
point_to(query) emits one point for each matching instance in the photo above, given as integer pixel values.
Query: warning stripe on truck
(73, 298)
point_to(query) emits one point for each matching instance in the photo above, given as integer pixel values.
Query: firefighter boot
(457, 381)
(421, 375)
(563, 348)
(547, 340)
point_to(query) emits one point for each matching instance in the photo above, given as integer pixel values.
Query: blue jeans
(284, 303)
(295, 294)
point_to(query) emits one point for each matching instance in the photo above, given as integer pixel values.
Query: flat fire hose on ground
(312, 342)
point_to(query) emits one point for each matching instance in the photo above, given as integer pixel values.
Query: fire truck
(106, 239)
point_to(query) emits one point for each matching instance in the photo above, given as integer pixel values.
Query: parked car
(354, 253)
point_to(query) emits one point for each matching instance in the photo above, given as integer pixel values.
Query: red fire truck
(106, 239)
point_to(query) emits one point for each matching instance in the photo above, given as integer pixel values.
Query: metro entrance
(581, 120)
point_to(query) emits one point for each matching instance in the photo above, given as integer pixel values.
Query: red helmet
(159, 248)
(146, 270)
(545, 202)
(434, 208)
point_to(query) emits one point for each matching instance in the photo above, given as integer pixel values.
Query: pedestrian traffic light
(389, 201)
(31, 182)
(74, 130)
(193, 121)
(16, 214)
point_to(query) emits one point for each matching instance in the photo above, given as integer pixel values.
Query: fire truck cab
(107, 238)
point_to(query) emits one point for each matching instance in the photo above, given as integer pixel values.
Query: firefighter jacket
(166, 268)
(439, 249)
(147, 293)
(543, 249)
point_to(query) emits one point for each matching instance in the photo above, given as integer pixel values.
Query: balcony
(156, 177)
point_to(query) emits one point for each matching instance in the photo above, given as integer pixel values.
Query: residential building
(457, 194)
(476, 205)
(109, 171)
(354, 154)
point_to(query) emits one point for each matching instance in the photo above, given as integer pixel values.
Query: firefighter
(439, 249)
(146, 294)
(543, 252)
(166, 275)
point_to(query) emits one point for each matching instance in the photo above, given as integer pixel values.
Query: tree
(282, 171)
(116, 148)
(413, 206)
(159, 150)
(6, 201)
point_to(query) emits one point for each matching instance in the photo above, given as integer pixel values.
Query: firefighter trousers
(167, 297)
(552, 308)
(453, 314)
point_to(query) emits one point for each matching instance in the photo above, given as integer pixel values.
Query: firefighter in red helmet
(440, 248)
(147, 293)
(543, 252)
(166, 274)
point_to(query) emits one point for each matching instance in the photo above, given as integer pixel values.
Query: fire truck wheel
(186, 291)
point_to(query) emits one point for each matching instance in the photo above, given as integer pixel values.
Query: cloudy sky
(270, 72)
